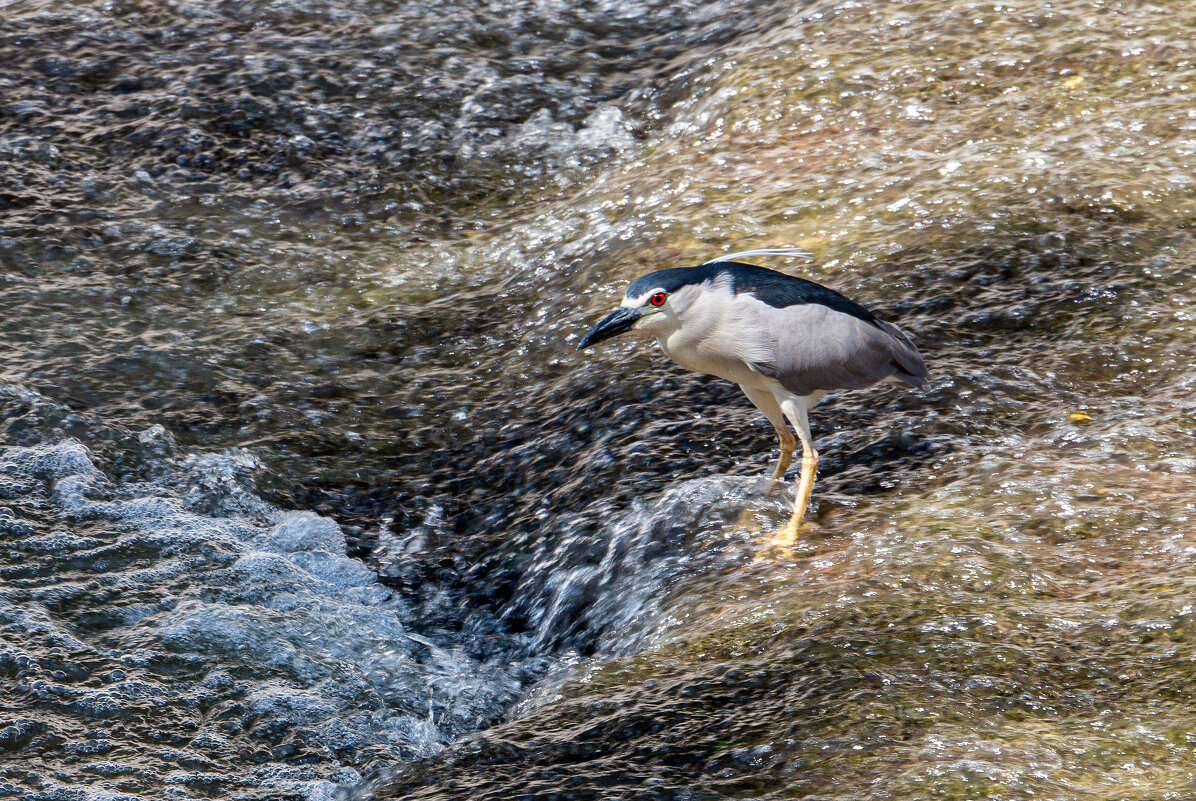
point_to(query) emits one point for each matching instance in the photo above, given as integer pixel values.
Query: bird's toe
(787, 534)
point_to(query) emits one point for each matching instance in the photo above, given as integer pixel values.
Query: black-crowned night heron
(785, 341)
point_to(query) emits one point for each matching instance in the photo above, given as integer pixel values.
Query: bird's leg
(767, 403)
(787, 535)
(788, 447)
(796, 412)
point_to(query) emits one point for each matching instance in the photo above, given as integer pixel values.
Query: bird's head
(655, 304)
(659, 302)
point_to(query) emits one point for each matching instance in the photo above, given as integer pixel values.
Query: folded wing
(819, 348)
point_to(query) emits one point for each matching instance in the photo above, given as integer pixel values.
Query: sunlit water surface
(305, 494)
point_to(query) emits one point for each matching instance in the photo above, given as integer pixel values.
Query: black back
(776, 289)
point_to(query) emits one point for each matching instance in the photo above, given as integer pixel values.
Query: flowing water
(305, 494)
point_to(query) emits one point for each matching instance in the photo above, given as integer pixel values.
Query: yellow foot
(778, 546)
(754, 521)
(787, 534)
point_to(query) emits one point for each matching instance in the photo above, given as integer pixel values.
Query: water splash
(190, 617)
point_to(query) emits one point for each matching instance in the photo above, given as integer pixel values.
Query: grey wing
(818, 348)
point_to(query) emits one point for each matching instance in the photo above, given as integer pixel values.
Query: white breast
(722, 334)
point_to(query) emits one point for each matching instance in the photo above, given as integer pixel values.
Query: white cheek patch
(639, 300)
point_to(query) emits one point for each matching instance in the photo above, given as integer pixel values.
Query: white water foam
(237, 627)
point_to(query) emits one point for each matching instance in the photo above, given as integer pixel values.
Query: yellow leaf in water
(1073, 82)
(1078, 417)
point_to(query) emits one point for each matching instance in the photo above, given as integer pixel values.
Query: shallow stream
(305, 493)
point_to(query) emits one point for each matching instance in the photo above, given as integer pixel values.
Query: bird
(786, 341)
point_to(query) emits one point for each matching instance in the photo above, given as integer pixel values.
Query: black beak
(618, 321)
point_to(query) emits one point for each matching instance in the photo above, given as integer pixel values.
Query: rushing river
(305, 494)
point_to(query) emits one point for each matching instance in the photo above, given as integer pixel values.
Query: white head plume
(796, 253)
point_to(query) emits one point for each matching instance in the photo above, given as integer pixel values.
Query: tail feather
(910, 367)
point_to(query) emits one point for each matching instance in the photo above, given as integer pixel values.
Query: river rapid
(305, 493)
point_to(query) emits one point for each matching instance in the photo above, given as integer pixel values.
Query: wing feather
(819, 348)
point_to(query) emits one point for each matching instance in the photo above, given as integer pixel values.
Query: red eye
(657, 299)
